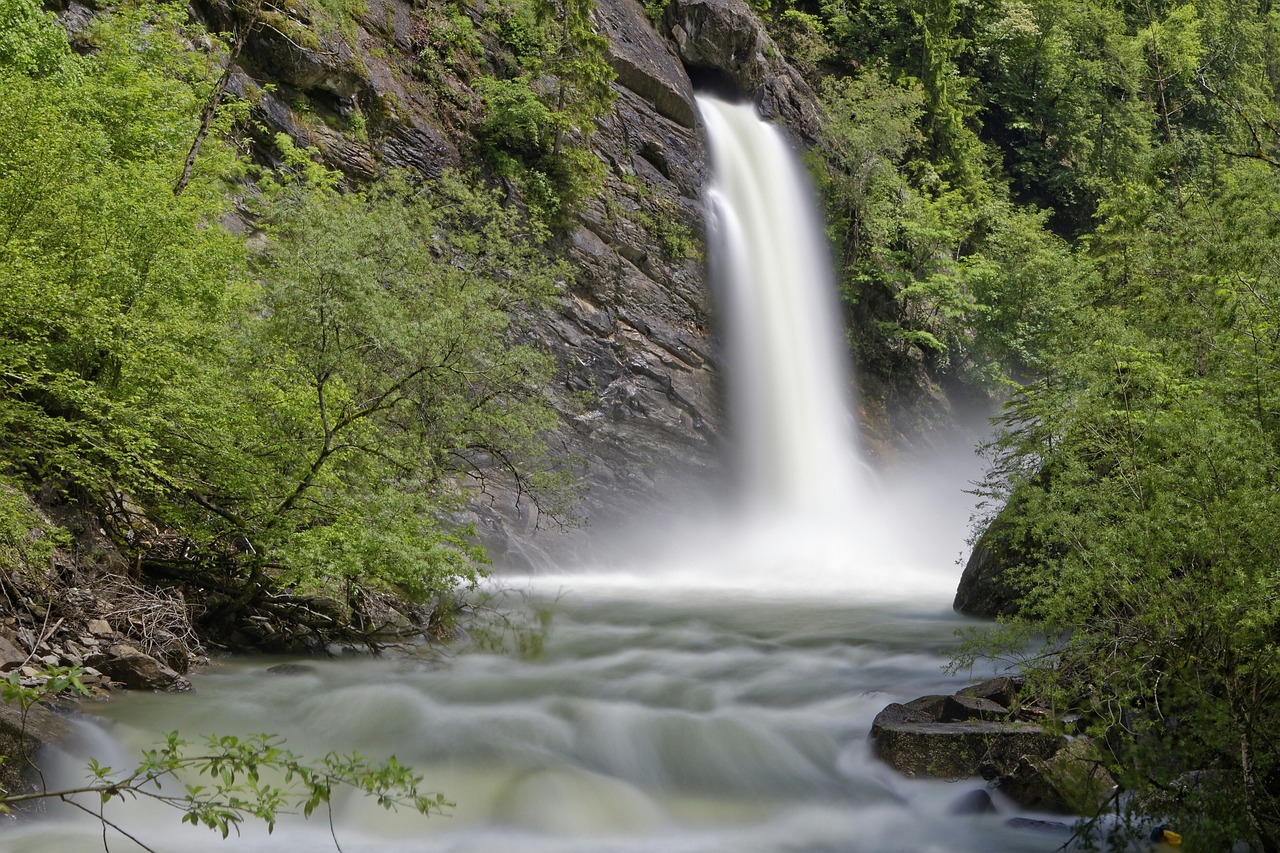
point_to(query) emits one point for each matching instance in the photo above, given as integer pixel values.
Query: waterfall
(785, 359)
(806, 516)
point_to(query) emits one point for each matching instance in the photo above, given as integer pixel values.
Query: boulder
(988, 586)
(137, 671)
(959, 750)
(959, 736)
(961, 709)
(985, 589)
(1002, 690)
(977, 801)
(22, 736)
(1072, 781)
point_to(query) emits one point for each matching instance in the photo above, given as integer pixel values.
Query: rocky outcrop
(636, 380)
(986, 731)
(985, 589)
(725, 40)
(989, 587)
(636, 386)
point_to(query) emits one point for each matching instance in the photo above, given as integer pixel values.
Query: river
(687, 719)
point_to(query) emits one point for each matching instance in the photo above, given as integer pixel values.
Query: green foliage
(57, 681)
(1145, 469)
(538, 120)
(27, 541)
(517, 123)
(378, 361)
(109, 286)
(228, 780)
(31, 42)
(970, 282)
(306, 412)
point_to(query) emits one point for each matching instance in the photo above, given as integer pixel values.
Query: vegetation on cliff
(287, 409)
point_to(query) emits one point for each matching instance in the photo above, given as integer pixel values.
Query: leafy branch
(224, 781)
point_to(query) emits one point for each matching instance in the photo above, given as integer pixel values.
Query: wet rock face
(726, 37)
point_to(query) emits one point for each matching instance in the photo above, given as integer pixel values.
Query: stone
(99, 627)
(894, 713)
(1072, 781)
(138, 671)
(986, 588)
(1003, 690)
(10, 652)
(1050, 826)
(930, 705)
(174, 654)
(960, 708)
(291, 669)
(645, 63)
(22, 736)
(957, 750)
(726, 37)
(977, 801)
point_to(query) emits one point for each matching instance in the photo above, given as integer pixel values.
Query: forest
(1071, 206)
(1082, 200)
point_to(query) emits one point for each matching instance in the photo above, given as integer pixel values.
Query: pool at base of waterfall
(678, 721)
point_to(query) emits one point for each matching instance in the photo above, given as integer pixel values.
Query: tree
(1146, 468)
(376, 364)
(304, 414)
(538, 122)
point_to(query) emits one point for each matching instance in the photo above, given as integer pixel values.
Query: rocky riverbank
(989, 732)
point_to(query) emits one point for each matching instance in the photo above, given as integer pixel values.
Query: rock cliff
(636, 382)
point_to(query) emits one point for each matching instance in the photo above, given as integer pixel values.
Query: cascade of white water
(785, 359)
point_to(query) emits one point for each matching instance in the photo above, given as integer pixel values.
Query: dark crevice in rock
(714, 81)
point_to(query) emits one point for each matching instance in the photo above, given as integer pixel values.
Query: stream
(680, 721)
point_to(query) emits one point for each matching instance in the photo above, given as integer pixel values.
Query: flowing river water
(666, 718)
(709, 688)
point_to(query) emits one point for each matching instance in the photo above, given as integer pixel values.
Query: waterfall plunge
(785, 357)
(807, 517)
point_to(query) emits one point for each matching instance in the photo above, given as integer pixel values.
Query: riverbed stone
(291, 669)
(977, 801)
(138, 671)
(1072, 781)
(957, 750)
